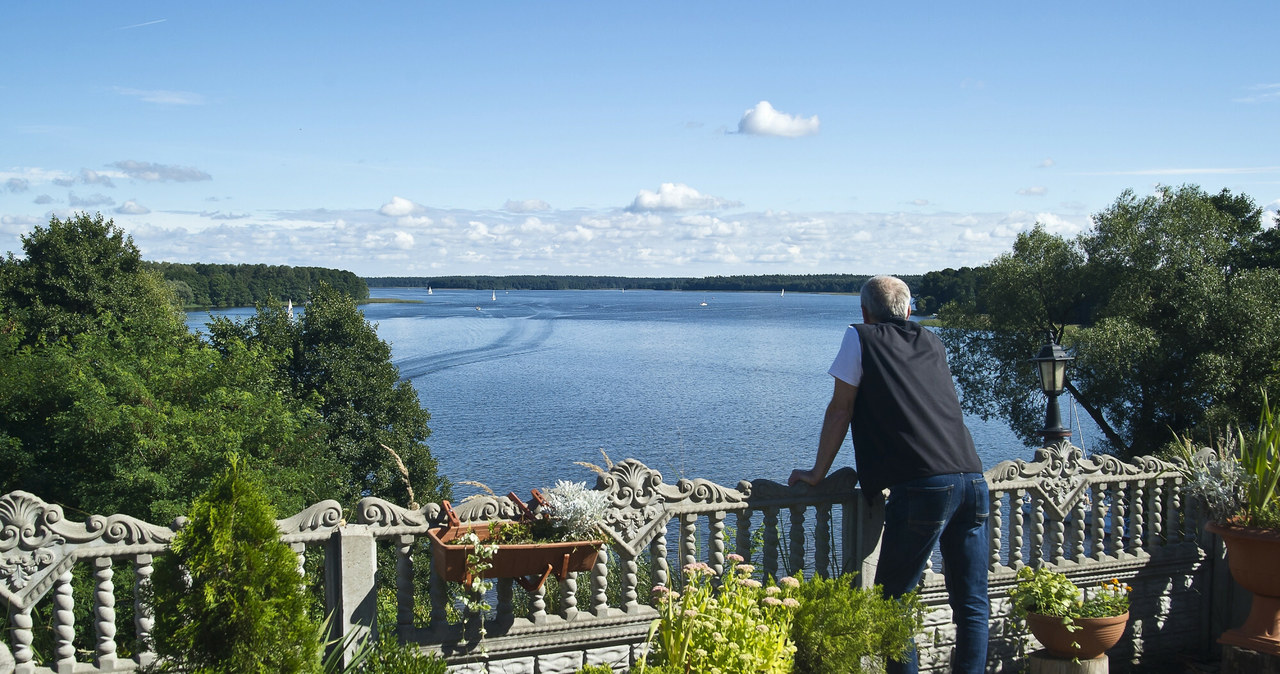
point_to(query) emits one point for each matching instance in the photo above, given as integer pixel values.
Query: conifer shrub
(228, 596)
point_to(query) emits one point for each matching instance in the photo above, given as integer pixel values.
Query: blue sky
(644, 139)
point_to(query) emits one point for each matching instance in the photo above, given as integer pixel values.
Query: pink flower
(790, 602)
(734, 557)
(772, 601)
(751, 582)
(789, 582)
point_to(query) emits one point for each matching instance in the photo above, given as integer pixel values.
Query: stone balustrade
(1093, 518)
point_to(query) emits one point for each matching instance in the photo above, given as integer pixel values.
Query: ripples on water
(521, 387)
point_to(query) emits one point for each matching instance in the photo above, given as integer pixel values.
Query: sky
(615, 138)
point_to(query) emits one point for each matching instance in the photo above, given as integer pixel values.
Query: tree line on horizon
(220, 286)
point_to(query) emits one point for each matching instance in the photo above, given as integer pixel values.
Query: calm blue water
(521, 387)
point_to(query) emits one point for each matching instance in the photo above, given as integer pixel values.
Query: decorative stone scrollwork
(1061, 475)
(312, 523)
(37, 545)
(641, 504)
(380, 513)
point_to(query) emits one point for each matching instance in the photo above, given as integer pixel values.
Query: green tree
(333, 359)
(1172, 304)
(228, 596)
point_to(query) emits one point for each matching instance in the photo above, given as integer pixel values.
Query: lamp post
(1052, 361)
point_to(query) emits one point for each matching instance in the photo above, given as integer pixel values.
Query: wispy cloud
(1037, 191)
(526, 206)
(677, 197)
(145, 170)
(1046, 163)
(1265, 92)
(162, 96)
(89, 201)
(16, 185)
(144, 23)
(132, 207)
(764, 120)
(1186, 171)
(94, 178)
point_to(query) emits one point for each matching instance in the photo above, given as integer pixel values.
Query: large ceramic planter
(1254, 558)
(521, 561)
(1094, 637)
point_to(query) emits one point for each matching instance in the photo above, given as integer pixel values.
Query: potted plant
(1239, 485)
(1065, 622)
(556, 535)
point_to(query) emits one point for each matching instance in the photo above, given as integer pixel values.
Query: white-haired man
(893, 387)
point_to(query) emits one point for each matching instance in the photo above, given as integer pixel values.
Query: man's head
(883, 298)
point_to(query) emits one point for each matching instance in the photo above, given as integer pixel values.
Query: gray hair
(886, 297)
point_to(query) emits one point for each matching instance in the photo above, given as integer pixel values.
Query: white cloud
(16, 185)
(764, 120)
(94, 178)
(132, 207)
(1266, 92)
(1047, 163)
(399, 206)
(89, 201)
(162, 96)
(145, 170)
(677, 197)
(526, 206)
(1037, 191)
(42, 199)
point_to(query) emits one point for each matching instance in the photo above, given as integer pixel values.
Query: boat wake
(523, 337)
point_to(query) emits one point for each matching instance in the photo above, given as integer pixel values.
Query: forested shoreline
(200, 285)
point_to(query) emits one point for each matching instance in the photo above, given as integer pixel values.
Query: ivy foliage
(228, 596)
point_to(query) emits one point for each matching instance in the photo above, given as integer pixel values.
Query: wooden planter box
(530, 564)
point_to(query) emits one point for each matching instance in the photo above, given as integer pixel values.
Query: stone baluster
(1119, 511)
(20, 629)
(404, 586)
(995, 524)
(630, 579)
(569, 596)
(1037, 531)
(1057, 538)
(1138, 516)
(1015, 528)
(743, 543)
(300, 549)
(658, 553)
(688, 540)
(143, 620)
(715, 522)
(822, 541)
(64, 623)
(506, 598)
(1155, 530)
(1097, 493)
(795, 561)
(438, 592)
(600, 585)
(1077, 530)
(104, 604)
(771, 542)
(1178, 520)
(537, 602)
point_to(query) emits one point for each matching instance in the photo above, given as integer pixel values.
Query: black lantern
(1052, 362)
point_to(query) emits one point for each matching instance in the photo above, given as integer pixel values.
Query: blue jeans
(950, 510)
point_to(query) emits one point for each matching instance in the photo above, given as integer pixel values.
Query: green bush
(837, 625)
(392, 657)
(228, 596)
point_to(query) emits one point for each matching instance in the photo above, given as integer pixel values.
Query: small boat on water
(495, 296)
(428, 290)
(783, 293)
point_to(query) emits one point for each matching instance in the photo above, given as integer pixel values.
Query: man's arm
(835, 426)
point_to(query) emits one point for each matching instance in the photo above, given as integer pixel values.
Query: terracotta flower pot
(1093, 639)
(512, 560)
(1252, 555)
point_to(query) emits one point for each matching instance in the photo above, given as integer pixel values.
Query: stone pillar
(1043, 662)
(351, 563)
(863, 525)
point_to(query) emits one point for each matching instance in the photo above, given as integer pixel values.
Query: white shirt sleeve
(847, 366)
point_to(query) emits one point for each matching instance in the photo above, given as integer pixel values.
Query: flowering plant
(1239, 480)
(743, 626)
(1051, 593)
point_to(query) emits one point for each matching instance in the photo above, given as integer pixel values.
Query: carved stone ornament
(640, 504)
(316, 522)
(37, 545)
(1061, 475)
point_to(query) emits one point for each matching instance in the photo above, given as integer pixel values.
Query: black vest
(907, 422)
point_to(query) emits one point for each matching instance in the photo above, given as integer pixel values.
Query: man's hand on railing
(809, 477)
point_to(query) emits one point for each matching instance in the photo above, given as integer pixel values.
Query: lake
(723, 386)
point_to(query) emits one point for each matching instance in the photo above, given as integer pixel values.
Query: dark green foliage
(1171, 299)
(389, 656)
(333, 360)
(228, 596)
(245, 285)
(838, 624)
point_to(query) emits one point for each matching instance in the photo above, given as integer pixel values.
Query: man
(893, 386)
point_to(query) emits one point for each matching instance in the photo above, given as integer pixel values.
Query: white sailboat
(495, 296)
(783, 293)
(428, 290)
